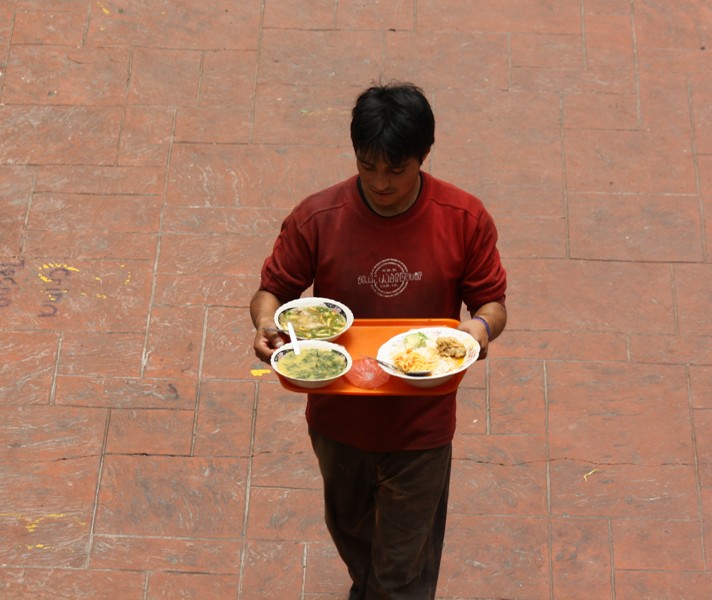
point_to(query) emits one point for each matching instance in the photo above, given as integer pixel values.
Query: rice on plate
(444, 351)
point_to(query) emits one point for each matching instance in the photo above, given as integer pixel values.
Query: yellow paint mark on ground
(48, 266)
(587, 475)
(105, 10)
(259, 372)
(32, 523)
(52, 267)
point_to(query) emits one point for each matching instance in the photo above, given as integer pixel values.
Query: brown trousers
(386, 514)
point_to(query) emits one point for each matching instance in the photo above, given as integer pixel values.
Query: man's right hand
(267, 338)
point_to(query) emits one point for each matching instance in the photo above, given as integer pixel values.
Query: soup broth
(312, 364)
(313, 322)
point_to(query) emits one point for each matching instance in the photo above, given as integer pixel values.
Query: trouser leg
(408, 539)
(386, 514)
(348, 503)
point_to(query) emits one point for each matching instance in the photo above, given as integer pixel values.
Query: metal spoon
(393, 367)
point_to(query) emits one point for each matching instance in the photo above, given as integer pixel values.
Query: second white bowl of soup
(317, 365)
(315, 318)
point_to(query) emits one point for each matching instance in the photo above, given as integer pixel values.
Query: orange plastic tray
(366, 336)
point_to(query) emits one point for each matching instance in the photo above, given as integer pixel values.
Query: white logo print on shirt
(389, 277)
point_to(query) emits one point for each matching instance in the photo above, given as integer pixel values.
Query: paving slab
(149, 152)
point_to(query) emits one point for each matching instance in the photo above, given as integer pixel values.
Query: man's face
(389, 189)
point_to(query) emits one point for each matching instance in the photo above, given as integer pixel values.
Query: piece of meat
(451, 347)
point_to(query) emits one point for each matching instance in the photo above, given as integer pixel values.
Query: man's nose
(381, 181)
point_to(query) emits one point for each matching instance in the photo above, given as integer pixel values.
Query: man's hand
(485, 325)
(267, 338)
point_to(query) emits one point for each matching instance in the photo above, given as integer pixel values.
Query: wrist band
(487, 327)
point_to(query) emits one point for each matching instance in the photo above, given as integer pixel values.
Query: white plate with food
(315, 318)
(441, 351)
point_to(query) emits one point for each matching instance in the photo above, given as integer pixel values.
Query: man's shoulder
(325, 207)
(450, 196)
(328, 198)
(336, 191)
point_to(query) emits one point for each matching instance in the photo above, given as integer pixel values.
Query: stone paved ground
(148, 152)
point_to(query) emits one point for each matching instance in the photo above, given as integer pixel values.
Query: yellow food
(440, 356)
(312, 364)
(411, 361)
(313, 322)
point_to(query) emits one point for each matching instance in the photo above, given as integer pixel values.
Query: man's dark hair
(394, 122)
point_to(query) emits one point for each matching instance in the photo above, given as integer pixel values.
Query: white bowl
(333, 305)
(396, 344)
(305, 346)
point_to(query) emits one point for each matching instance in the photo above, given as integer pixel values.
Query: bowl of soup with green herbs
(317, 364)
(315, 318)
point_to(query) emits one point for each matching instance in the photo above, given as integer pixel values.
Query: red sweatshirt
(423, 263)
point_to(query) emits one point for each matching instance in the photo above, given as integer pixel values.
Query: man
(390, 242)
